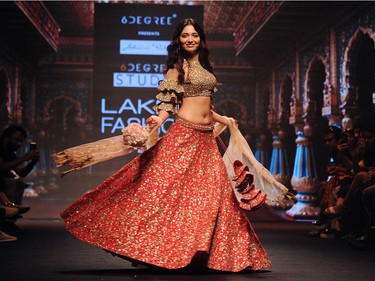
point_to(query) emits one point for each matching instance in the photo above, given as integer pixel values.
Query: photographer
(356, 208)
(339, 169)
(343, 170)
(13, 167)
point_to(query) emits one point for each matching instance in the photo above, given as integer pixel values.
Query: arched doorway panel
(317, 76)
(359, 74)
(310, 146)
(63, 119)
(287, 91)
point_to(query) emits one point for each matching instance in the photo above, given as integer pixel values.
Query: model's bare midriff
(196, 110)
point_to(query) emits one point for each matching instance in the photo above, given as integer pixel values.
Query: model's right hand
(151, 122)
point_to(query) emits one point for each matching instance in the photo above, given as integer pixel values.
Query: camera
(33, 145)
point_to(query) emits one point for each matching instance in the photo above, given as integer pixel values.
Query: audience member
(339, 169)
(368, 199)
(12, 169)
(6, 212)
(356, 205)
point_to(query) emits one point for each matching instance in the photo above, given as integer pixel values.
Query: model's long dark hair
(175, 52)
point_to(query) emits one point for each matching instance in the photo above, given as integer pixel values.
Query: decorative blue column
(279, 167)
(279, 164)
(304, 181)
(260, 151)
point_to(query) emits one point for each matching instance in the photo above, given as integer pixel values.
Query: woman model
(175, 201)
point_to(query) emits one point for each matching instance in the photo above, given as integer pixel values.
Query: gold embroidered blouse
(200, 82)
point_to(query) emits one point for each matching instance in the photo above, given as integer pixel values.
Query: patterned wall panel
(10, 69)
(344, 34)
(318, 48)
(288, 68)
(63, 105)
(240, 95)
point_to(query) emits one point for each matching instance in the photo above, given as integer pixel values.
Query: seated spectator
(12, 213)
(368, 199)
(12, 167)
(5, 202)
(353, 203)
(339, 169)
(6, 212)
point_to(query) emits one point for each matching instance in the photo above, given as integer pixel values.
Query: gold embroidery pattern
(200, 83)
(198, 127)
(168, 203)
(170, 93)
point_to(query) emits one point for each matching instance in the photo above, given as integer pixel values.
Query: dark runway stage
(45, 251)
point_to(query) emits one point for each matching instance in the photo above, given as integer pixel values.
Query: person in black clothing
(13, 168)
(339, 169)
(358, 202)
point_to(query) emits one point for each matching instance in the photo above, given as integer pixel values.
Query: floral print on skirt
(167, 204)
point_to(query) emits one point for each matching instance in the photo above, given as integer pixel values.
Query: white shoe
(6, 237)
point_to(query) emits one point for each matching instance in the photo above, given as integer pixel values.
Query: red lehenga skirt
(169, 203)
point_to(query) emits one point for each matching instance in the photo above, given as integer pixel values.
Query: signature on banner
(144, 47)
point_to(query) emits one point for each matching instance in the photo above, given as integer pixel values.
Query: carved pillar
(304, 179)
(349, 108)
(279, 164)
(17, 109)
(4, 100)
(282, 170)
(330, 108)
(275, 166)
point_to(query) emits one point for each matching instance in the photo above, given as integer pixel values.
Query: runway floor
(45, 251)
